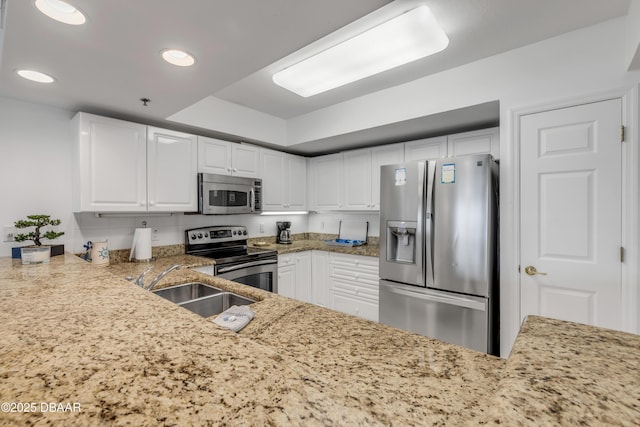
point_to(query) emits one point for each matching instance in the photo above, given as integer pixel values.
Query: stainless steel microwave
(223, 195)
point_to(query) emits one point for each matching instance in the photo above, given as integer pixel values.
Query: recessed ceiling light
(407, 37)
(35, 76)
(61, 11)
(178, 57)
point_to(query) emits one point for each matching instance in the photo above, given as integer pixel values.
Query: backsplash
(118, 230)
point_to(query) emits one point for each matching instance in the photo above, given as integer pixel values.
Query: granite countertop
(73, 333)
(309, 241)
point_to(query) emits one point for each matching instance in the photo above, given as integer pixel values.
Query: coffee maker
(284, 232)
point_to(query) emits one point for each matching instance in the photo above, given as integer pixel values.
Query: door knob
(531, 271)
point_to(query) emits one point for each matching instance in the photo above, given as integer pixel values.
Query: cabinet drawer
(356, 290)
(353, 275)
(347, 304)
(355, 262)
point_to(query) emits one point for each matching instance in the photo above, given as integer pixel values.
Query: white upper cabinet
(127, 167)
(357, 179)
(383, 155)
(426, 149)
(362, 175)
(326, 182)
(297, 186)
(110, 165)
(483, 141)
(172, 165)
(228, 158)
(284, 181)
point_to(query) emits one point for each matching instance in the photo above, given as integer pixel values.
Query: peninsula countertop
(72, 333)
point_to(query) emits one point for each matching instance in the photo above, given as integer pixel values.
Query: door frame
(510, 211)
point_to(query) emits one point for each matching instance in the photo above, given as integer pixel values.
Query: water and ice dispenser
(401, 242)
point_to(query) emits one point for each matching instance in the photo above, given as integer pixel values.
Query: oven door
(262, 274)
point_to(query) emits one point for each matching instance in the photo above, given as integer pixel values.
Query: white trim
(510, 202)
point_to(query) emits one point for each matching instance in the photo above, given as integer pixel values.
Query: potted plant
(36, 253)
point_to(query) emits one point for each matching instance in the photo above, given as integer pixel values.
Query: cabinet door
(327, 182)
(357, 184)
(303, 277)
(110, 172)
(245, 160)
(426, 149)
(484, 141)
(320, 278)
(297, 183)
(384, 155)
(214, 156)
(273, 179)
(172, 165)
(287, 276)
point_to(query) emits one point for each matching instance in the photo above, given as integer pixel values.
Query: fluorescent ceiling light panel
(61, 11)
(35, 76)
(413, 35)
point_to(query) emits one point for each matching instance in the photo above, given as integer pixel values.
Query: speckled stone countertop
(73, 333)
(314, 241)
(569, 374)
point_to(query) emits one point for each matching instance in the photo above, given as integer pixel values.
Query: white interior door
(571, 207)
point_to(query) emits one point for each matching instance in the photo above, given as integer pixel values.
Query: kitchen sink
(187, 292)
(215, 304)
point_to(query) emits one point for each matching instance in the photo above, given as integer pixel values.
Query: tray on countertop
(351, 233)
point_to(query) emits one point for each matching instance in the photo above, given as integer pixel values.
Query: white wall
(329, 223)
(119, 230)
(35, 169)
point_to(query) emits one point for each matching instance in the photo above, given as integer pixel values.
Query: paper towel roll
(141, 246)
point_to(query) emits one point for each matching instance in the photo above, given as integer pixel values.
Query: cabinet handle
(152, 203)
(142, 203)
(235, 170)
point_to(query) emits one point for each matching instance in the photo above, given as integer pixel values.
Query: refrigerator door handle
(428, 224)
(451, 300)
(419, 239)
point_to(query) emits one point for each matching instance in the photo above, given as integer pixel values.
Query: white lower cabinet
(353, 284)
(320, 278)
(294, 276)
(343, 282)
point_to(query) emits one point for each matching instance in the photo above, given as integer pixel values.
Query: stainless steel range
(235, 261)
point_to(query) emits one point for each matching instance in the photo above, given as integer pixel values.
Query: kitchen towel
(141, 246)
(235, 317)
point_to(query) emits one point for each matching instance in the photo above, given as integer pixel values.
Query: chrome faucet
(159, 277)
(154, 282)
(140, 279)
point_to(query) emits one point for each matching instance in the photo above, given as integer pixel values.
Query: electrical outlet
(262, 228)
(155, 235)
(8, 233)
(321, 225)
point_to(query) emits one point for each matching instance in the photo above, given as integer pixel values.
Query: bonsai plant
(36, 253)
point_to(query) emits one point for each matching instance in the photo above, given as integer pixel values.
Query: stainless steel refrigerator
(438, 250)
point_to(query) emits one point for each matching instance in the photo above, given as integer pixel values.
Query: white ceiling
(107, 65)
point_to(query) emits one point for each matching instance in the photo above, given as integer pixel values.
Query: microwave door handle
(252, 196)
(245, 265)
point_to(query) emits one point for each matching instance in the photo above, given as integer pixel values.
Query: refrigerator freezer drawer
(456, 319)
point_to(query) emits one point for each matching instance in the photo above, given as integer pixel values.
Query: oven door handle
(245, 265)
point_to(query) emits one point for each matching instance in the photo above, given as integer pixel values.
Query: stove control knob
(199, 235)
(244, 232)
(193, 237)
(235, 232)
